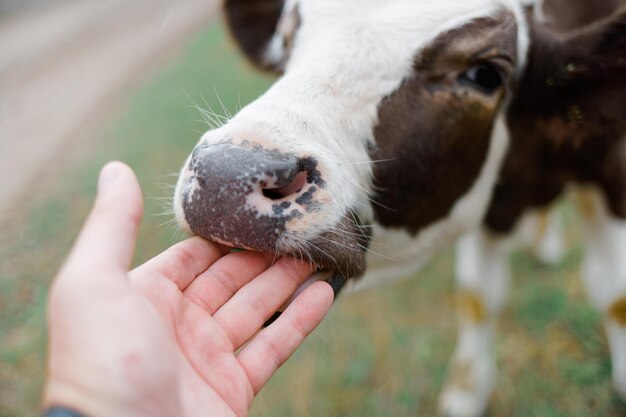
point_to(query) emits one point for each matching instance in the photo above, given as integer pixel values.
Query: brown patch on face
(435, 128)
(617, 311)
(470, 307)
(480, 40)
(567, 122)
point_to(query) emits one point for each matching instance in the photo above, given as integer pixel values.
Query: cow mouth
(337, 260)
(332, 275)
(338, 255)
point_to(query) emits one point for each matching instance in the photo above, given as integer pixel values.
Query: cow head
(384, 112)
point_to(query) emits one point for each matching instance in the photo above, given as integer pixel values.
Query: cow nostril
(294, 187)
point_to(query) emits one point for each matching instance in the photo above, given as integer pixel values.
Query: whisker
(365, 194)
(219, 99)
(330, 257)
(349, 233)
(170, 222)
(337, 243)
(238, 106)
(373, 252)
(366, 248)
(368, 162)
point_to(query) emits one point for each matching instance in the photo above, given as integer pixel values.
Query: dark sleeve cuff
(62, 412)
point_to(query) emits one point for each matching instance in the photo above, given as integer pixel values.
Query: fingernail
(109, 174)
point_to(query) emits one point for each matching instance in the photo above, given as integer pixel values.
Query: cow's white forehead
(398, 27)
(369, 46)
(430, 14)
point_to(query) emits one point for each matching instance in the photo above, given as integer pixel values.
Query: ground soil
(65, 65)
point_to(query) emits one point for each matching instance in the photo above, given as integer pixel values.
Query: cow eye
(483, 77)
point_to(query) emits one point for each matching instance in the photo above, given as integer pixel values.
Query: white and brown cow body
(397, 126)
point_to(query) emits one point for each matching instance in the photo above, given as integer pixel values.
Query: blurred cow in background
(397, 126)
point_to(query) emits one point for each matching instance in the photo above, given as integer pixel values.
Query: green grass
(383, 353)
(379, 353)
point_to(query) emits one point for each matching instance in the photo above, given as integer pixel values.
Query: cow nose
(246, 195)
(278, 175)
(292, 184)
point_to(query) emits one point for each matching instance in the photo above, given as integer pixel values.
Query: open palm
(214, 307)
(179, 335)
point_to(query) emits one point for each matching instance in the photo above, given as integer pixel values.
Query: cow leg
(604, 277)
(549, 243)
(482, 275)
(542, 231)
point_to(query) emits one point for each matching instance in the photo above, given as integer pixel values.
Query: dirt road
(61, 65)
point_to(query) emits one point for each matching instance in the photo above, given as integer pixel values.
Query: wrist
(86, 402)
(62, 396)
(62, 412)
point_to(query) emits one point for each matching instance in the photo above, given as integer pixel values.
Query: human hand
(169, 338)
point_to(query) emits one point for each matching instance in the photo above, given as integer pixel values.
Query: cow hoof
(461, 404)
(616, 332)
(468, 389)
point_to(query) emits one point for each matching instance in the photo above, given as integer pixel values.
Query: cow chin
(338, 254)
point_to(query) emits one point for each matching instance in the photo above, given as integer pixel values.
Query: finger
(181, 263)
(107, 240)
(245, 313)
(224, 278)
(275, 344)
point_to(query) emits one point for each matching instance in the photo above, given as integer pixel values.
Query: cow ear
(264, 29)
(599, 48)
(567, 15)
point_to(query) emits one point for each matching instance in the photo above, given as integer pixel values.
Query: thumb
(107, 240)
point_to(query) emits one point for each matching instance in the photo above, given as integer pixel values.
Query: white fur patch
(275, 52)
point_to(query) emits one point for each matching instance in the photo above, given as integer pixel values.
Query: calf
(567, 124)
(386, 136)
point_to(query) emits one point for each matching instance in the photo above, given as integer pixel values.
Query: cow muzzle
(248, 196)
